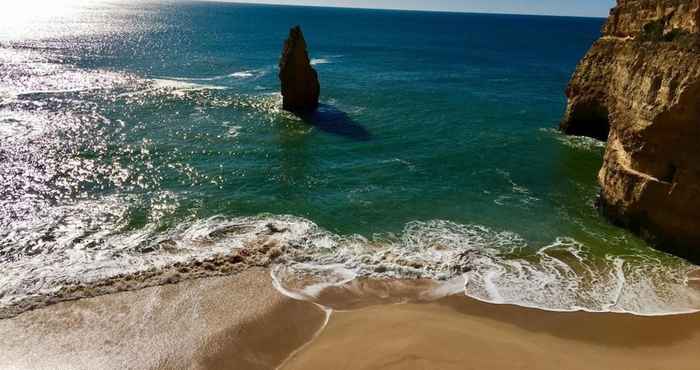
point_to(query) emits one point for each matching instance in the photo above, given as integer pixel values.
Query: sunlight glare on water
(139, 134)
(21, 19)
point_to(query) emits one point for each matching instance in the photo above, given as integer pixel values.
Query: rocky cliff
(639, 88)
(300, 86)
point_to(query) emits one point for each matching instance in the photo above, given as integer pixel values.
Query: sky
(586, 8)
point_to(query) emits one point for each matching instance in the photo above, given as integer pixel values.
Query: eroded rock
(639, 87)
(300, 86)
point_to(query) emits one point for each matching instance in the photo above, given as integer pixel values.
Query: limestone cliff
(639, 88)
(300, 86)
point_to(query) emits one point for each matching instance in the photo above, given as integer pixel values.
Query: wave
(501, 268)
(245, 74)
(488, 265)
(179, 85)
(576, 142)
(174, 87)
(316, 61)
(83, 250)
(326, 59)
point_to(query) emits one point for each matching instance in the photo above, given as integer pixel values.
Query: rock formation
(639, 88)
(300, 86)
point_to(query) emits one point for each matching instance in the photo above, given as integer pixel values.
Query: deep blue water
(126, 124)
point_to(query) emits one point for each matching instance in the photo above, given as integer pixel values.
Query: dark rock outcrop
(639, 87)
(300, 86)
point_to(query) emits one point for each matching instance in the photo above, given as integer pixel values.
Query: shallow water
(135, 135)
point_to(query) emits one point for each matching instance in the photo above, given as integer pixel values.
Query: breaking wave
(488, 265)
(576, 142)
(501, 268)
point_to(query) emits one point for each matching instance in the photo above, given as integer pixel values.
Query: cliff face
(639, 88)
(300, 86)
(629, 17)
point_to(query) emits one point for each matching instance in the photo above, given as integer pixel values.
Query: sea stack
(300, 86)
(639, 88)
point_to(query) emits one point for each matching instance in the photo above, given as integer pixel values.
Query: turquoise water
(125, 125)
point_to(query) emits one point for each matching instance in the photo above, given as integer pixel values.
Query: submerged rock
(639, 88)
(300, 86)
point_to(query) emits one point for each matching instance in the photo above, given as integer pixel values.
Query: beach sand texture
(238, 322)
(242, 322)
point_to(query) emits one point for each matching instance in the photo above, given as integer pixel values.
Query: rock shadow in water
(330, 119)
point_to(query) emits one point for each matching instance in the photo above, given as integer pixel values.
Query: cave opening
(590, 118)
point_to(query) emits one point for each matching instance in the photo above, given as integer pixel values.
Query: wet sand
(242, 322)
(459, 333)
(238, 322)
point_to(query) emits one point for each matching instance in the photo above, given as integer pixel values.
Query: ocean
(138, 135)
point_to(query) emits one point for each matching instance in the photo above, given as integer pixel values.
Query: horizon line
(404, 9)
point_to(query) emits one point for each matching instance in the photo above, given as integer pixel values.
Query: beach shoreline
(243, 322)
(459, 333)
(236, 322)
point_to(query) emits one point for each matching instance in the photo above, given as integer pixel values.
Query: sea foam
(501, 268)
(493, 266)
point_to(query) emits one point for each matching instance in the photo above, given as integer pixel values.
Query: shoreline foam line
(494, 267)
(327, 310)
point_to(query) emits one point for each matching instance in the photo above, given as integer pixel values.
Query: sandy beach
(461, 333)
(238, 322)
(455, 333)
(242, 322)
